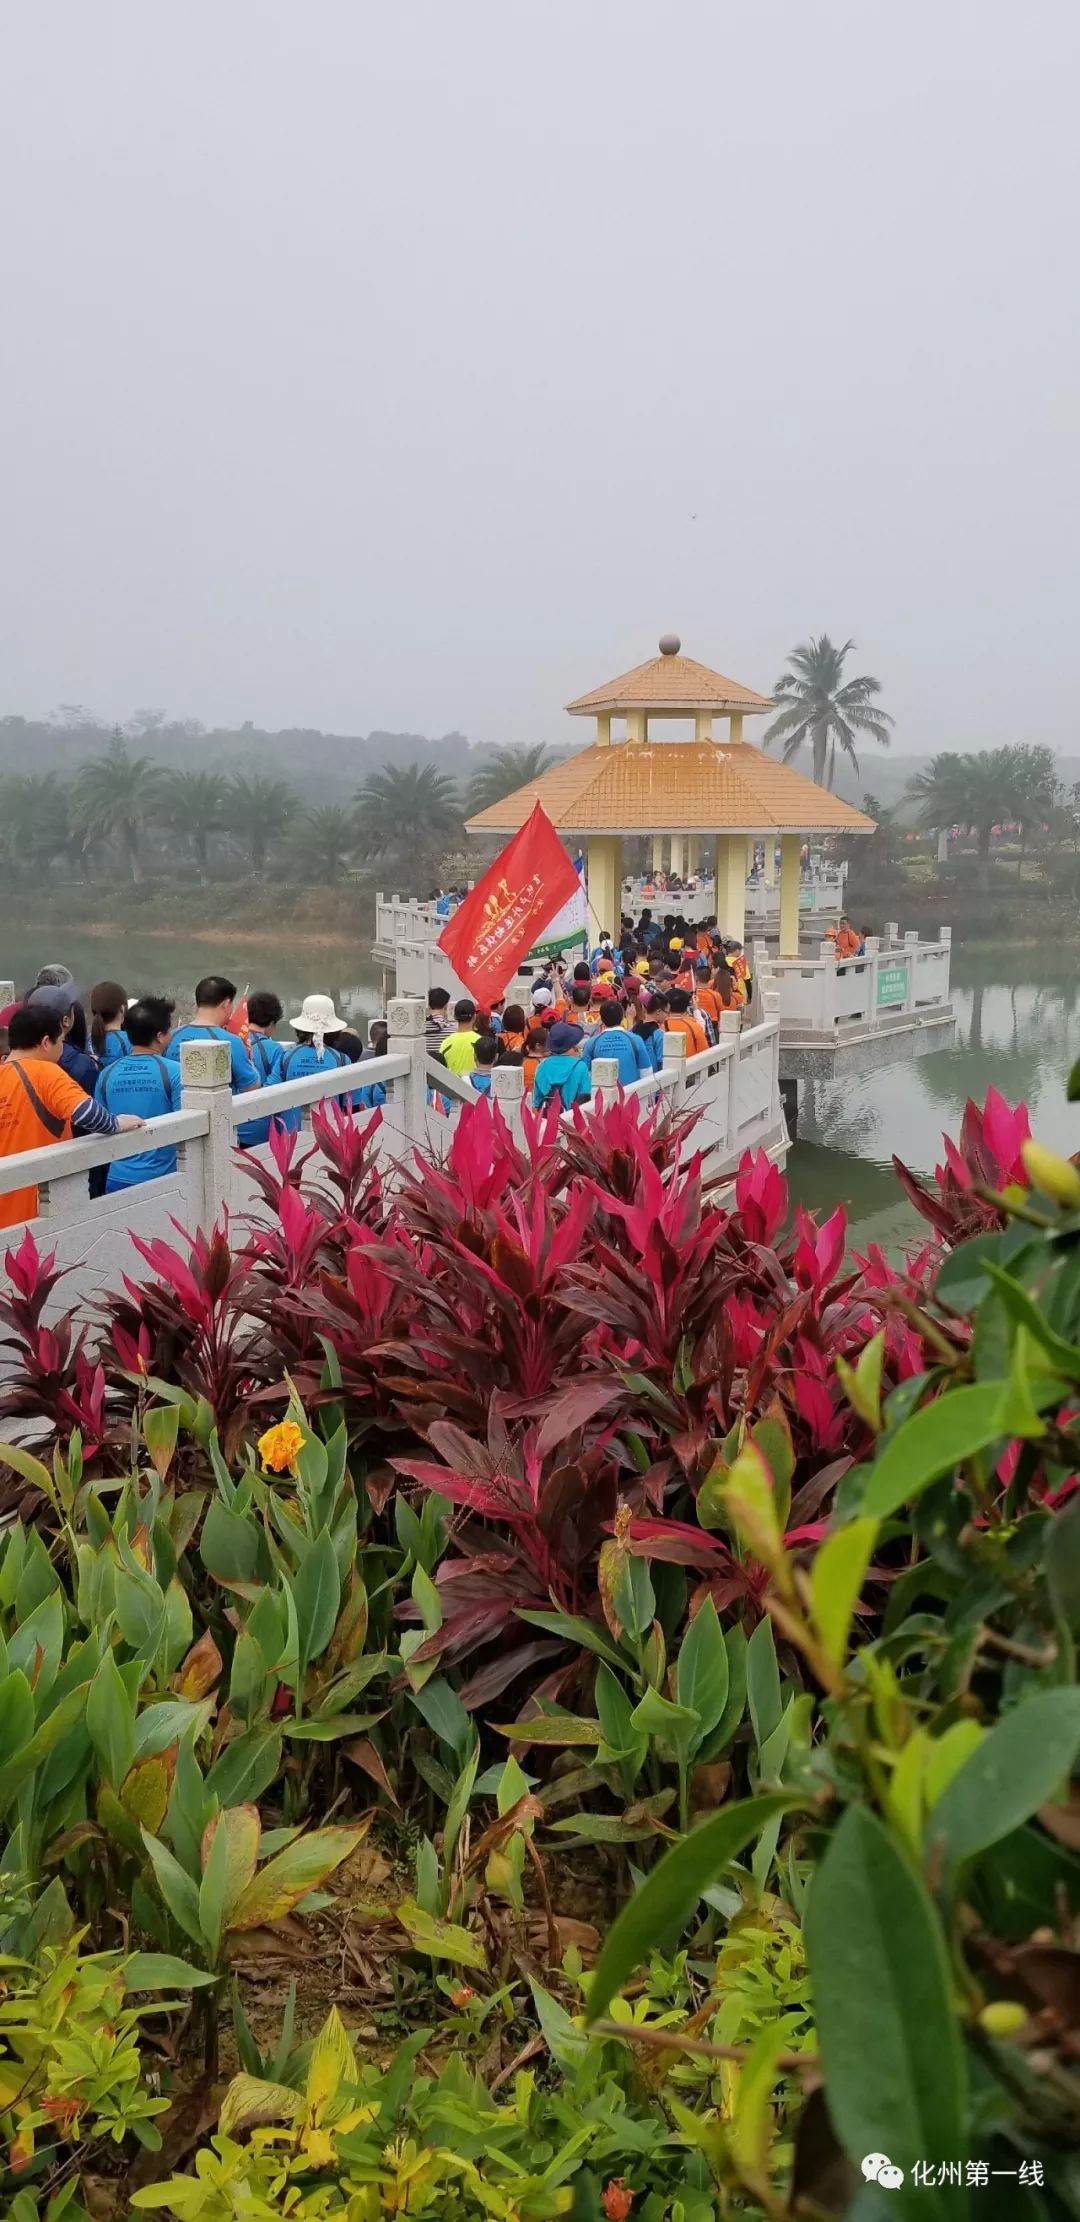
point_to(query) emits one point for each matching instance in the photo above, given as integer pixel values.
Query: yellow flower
(1056, 1176)
(281, 1445)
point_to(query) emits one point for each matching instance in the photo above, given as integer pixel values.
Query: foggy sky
(416, 366)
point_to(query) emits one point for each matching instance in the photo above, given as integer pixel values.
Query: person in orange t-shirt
(40, 1104)
(682, 1019)
(847, 940)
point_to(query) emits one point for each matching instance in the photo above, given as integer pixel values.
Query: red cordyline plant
(53, 1376)
(988, 1158)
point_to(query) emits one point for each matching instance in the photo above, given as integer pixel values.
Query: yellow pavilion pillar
(678, 858)
(790, 846)
(657, 853)
(770, 860)
(603, 880)
(603, 729)
(731, 884)
(735, 732)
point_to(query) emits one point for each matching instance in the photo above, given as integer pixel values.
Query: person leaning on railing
(40, 1104)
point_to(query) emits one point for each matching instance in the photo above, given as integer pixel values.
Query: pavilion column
(703, 725)
(790, 876)
(603, 729)
(603, 879)
(731, 884)
(657, 853)
(751, 852)
(770, 860)
(637, 726)
(678, 857)
(735, 732)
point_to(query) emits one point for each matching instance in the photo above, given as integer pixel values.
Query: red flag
(508, 909)
(240, 1023)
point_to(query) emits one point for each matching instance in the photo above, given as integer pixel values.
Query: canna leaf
(316, 1594)
(240, 1830)
(161, 1426)
(180, 1894)
(702, 1674)
(441, 1940)
(111, 1722)
(279, 1886)
(197, 1674)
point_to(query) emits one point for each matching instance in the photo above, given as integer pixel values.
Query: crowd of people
(71, 1069)
(662, 977)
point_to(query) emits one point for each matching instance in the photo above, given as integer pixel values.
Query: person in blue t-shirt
(613, 1040)
(315, 1026)
(146, 1084)
(487, 1057)
(214, 999)
(264, 1013)
(108, 1003)
(560, 1076)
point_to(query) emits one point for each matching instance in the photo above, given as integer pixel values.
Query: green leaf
(702, 1675)
(566, 2043)
(676, 1725)
(162, 1971)
(620, 1743)
(246, 1767)
(1022, 1308)
(161, 1426)
(895, 2077)
(735, 1645)
(16, 1713)
(316, 1591)
(931, 1443)
(1061, 1559)
(304, 1864)
(634, 1598)
(458, 1805)
(212, 1890)
(960, 1280)
(763, 1684)
(140, 1612)
(229, 1544)
(1018, 1767)
(667, 1899)
(550, 1728)
(836, 1577)
(441, 1707)
(111, 1722)
(574, 1630)
(862, 1383)
(441, 1940)
(31, 1470)
(179, 1892)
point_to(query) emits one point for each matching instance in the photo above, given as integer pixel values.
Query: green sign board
(806, 900)
(892, 983)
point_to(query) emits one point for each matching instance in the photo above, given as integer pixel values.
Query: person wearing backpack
(264, 1013)
(561, 1078)
(144, 1084)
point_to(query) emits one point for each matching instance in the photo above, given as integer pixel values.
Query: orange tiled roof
(675, 787)
(671, 683)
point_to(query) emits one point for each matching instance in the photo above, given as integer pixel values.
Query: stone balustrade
(900, 980)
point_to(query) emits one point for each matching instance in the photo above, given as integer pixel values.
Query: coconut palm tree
(259, 810)
(976, 789)
(817, 704)
(115, 796)
(504, 773)
(196, 804)
(411, 812)
(325, 842)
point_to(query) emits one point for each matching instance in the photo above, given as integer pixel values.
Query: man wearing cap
(561, 1078)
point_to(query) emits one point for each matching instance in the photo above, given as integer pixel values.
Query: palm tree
(325, 842)
(407, 811)
(817, 704)
(116, 795)
(504, 773)
(259, 809)
(196, 805)
(36, 822)
(976, 789)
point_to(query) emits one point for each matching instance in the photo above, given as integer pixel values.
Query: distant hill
(326, 766)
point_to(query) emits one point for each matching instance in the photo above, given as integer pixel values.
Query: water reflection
(1018, 1029)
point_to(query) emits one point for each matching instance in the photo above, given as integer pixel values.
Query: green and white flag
(569, 928)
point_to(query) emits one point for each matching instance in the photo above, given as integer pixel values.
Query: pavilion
(714, 787)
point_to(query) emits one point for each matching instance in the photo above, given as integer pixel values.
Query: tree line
(123, 811)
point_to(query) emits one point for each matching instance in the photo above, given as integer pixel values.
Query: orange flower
(616, 2200)
(463, 1996)
(281, 1446)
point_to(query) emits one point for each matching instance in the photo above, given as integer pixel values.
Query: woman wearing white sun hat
(315, 1026)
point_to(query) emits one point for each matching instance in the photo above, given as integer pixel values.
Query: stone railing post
(508, 1092)
(406, 1025)
(675, 1066)
(729, 1027)
(7, 993)
(911, 952)
(945, 939)
(605, 1078)
(890, 934)
(870, 977)
(827, 1006)
(206, 1085)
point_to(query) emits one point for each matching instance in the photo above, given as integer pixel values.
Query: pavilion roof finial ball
(670, 644)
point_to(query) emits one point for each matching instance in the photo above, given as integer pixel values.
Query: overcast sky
(415, 367)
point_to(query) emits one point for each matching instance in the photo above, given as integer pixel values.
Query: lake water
(1018, 1028)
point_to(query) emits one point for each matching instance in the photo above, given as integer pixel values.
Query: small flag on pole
(507, 910)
